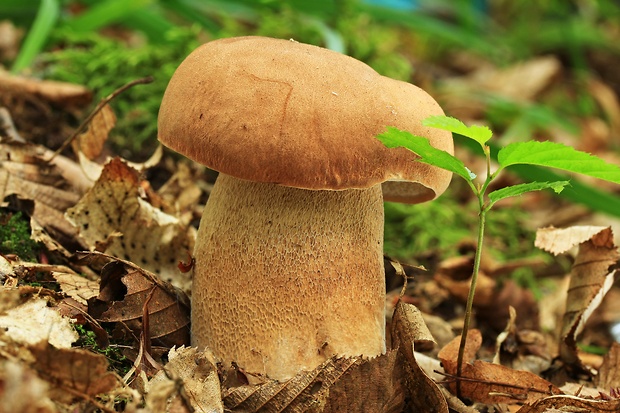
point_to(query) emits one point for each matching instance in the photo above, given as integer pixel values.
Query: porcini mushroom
(289, 265)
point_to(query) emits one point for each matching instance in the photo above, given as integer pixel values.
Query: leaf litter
(127, 289)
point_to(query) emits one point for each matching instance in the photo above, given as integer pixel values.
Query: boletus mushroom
(289, 253)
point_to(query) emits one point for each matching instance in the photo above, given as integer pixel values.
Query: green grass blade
(556, 155)
(37, 36)
(395, 138)
(106, 12)
(520, 189)
(152, 23)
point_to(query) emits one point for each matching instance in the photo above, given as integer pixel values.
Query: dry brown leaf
(338, 385)
(591, 278)
(189, 378)
(10, 40)
(113, 218)
(61, 93)
(76, 286)
(449, 354)
(73, 373)
(571, 404)
(521, 82)
(181, 192)
(9, 297)
(608, 376)
(52, 186)
(454, 274)
(492, 383)
(561, 240)
(409, 329)
(22, 391)
(91, 142)
(126, 288)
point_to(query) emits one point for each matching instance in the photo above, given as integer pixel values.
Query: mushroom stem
(286, 278)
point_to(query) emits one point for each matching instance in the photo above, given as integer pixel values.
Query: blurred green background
(104, 44)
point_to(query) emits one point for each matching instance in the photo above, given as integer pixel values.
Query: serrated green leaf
(557, 155)
(520, 189)
(480, 134)
(395, 138)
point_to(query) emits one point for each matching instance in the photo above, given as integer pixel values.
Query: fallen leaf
(560, 240)
(590, 279)
(570, 404)
(521, 82)
(339, 385)
(409, 331)
(113, 218)
(21, 390)
(191, 376)
(61, 93)
(91, 142)
(608, 376)
(76, 286)
(125, 288)
(492, 383)
(73, 373)
(33, 321)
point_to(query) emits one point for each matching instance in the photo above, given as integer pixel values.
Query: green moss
(440, 227)
(118, 362)
(104, 64)
(15, 236)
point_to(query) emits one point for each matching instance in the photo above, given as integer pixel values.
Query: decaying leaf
(73, 373)
(126, 289)
(608, 376)
(21, 390)
(189, 378)
(492, 299)
(521, 82)
(560, 240)
(591, 278)
(52, 187)
(33, 322)
(409, 331)
(387, 383)
(570, 404)
(76, 286)
(91, 142)
(492, 383)
(113, 218)
(339, 385)
(61, 93)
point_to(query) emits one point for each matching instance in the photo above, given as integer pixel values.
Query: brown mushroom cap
(283, 112)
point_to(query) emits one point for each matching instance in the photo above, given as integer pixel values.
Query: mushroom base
(286, 278)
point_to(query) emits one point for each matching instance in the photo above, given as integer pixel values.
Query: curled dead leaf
(125, 289)
(91, 142)
(194, 378)
(591, 277)
(409, 330)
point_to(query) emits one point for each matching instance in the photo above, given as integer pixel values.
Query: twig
(97, 109)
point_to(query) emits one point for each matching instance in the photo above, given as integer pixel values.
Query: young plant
(547, 154)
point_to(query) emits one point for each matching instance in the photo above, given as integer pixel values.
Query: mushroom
(289, 254)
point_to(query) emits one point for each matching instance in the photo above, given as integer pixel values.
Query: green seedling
(545, 154)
